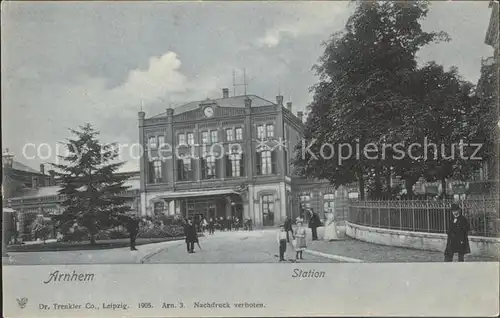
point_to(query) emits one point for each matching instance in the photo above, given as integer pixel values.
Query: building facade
(226, 157)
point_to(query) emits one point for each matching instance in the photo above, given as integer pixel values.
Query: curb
(146, 257)
(335, 257)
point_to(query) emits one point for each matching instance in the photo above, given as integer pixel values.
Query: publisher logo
(22, 302)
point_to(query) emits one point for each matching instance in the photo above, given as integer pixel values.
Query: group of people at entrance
(299, 234)
(225, 224)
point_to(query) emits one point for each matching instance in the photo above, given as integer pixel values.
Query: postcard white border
(383, 289)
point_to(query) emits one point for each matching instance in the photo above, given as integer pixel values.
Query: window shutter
(242, 165)
(151, 172)
(258, 162)
(217, 168)
(286, 162)
(273, 162)
(202, 167)
(229, 167)
(180, 169)
(193, 169)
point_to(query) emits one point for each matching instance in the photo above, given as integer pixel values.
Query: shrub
(77, 234)
(160, 232)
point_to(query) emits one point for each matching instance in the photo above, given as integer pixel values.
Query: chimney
(34, 182)
(42, 169)
(289, 106)
(225, 93)
(7, 159)
(248, 102)
(52, 179)
(301, 116)
(279, 100)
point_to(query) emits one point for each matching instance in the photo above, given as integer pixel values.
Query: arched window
(329, 202)
(208, 166)
(267, 209)
(160, 207)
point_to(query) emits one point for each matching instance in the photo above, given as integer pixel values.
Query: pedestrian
(211, 226)
(458, 240)
(288, 228)
(282, 239)
(250, 225)
(204, 225)
(300, 239)
(314, 222)
(191, 235)
(132, 224)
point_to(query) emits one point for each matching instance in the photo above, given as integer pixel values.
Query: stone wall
(489, 246)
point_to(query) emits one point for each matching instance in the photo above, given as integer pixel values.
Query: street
(258, 246)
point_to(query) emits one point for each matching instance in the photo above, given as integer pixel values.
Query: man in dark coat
(132, 224)
(191, 235)
(288, 228)
(314, 222)
(458, 240)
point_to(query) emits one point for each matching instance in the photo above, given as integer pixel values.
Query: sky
(65, 64)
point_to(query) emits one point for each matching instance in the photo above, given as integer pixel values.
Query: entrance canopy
(189, 194)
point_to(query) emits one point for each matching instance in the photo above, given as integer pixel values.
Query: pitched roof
(19, 166)
(133, 183)
(234, 101)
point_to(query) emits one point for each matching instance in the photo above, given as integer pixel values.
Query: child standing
(281, 238)
(300, 239)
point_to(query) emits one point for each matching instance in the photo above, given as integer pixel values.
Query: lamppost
(233, 204)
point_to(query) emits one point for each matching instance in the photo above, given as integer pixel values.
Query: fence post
(444, 215)
(400, 215)
(389, 210)
(428, 217)
(379, 216)
(413, 216)
(485, 219)
(371, 215)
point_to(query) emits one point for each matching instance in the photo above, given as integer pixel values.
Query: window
(260, 132)
(184, 169)
(239, 133)
(305, 200)
(266, 162)
(285, 153)
(213, 136)
(152, 142)
(190, 139)
(160, 208)
(270, 130)
(204, 138)
(329, 202)
(208, 166)
(161, 141)
(157, 171)
(268, 209)
(229, 134)
(182, 139)
(235, 165)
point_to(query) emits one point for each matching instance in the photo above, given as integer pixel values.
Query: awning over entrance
(188, 194)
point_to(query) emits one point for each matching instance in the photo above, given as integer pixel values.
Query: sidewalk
(351, 250)
(109, 256)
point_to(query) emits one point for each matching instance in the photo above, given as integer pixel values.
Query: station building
(229, 156)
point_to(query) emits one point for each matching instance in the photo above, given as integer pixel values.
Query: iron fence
(426, 215)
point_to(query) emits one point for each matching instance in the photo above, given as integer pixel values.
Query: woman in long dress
(300, 239)
(330, 227)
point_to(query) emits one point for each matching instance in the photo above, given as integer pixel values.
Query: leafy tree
(364, 89)
(448, 112)
(93, 190)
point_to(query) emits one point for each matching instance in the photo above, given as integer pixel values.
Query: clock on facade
(208, 111)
